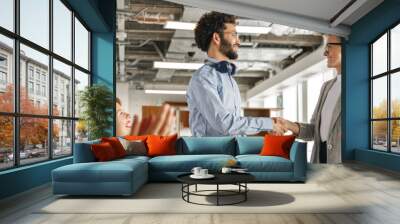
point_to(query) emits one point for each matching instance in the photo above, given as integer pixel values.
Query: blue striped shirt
(214, 105)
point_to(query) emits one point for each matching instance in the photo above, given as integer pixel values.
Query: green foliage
(97, 103)
(380, 111)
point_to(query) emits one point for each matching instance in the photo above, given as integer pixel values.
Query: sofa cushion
(275, 145)
(161, 145)
(116, 145)
(130, 158)
(185, 163)
(112, 171)
(206, 145)
(83, 153)
(257, 163)
(103, 152)
(134, 147)
(249, 145)
(136, 137)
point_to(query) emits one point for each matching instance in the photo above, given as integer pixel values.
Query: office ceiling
(318, 9)
(142, 40)
(324, 16)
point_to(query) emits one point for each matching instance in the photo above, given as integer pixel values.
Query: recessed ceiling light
(240, 29)
(156, 91)
(177, 65)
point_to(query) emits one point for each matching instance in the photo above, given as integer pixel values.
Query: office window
(35, 21)
(3, 72)
(395, 47)
(30, 73)
(81, 45)
(33, 141)
(6, 142)
(45, 131)
(62, 75)
(62, 137)
(3, 78)
(289, 100)
(30, 88)
(81, 81)
(7, 14)
(385, 94)
(3, 61)
(43, 90)
(37, 75)
(62, 29)
(38, 89)
(6, 73)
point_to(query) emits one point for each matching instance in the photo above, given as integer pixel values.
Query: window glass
(379, 98)
(62, 91)
(81, 81)
(6, 142)
(34, 21)
(395, 95)
(34, 80)
(395, 138)
(6, 74)
(395, 47)
(62, 138)
(7, 14)
(39, 62)
(379, 56)
(62, 29)
(81, 45)
(290, 103)
(81, 131)
(379, 135)
(33, 140)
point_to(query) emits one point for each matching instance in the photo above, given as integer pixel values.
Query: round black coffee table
(238, 179)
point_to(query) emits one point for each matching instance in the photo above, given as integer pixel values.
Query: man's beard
(227, 50)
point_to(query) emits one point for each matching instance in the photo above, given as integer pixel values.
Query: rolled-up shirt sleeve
(204, 94)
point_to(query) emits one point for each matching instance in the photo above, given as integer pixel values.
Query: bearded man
(213, 96)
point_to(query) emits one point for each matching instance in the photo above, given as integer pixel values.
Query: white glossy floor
(378, 188)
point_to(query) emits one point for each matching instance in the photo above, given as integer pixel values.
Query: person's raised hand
(124, 122)
(154, 125)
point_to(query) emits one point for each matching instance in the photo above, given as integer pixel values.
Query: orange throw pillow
(116, 145)
(103, 152)
(277, 145)
(136, 137)
(161, 145)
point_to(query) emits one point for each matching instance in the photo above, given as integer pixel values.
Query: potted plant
(96, 103)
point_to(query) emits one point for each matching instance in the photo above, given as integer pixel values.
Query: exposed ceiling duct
(142, 40)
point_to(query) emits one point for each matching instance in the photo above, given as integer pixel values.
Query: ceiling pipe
(270, 15)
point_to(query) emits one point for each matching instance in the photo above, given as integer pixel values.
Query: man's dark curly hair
(209, 23)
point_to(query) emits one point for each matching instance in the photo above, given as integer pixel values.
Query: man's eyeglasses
(330, 45)
(233, 34)
(333, 44)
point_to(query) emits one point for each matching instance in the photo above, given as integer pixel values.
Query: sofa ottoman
(119, 177)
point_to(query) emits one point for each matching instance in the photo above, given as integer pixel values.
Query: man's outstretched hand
(278, 127)
(286, 125)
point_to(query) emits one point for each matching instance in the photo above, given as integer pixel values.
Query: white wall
(133, 100)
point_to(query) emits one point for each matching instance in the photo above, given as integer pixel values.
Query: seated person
(154, 125)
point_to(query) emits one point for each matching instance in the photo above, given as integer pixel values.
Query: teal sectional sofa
(125, 176)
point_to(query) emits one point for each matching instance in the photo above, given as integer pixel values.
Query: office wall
(355, 97)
